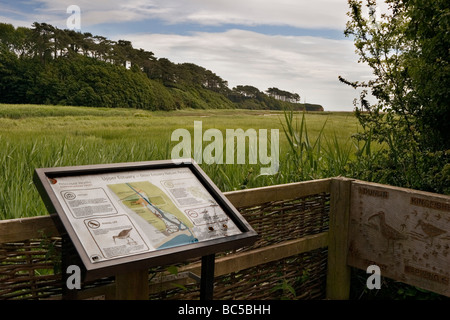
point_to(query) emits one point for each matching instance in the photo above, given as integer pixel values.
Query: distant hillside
(47, 65)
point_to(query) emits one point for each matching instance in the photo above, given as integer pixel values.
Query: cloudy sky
(294, 45)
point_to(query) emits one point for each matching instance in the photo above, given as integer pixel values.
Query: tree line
(250, 97)
(47, 65)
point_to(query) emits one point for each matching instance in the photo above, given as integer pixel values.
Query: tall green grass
(324, 155)
(18, 195)
(42, 136)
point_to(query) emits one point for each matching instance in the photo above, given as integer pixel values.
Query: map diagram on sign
(171, 226)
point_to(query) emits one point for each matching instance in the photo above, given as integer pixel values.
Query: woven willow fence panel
(280, 221)
(298, 277)
(31, 269)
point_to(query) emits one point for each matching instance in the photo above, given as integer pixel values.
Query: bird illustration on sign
(387, 231)
(430, 230)
(125, 234)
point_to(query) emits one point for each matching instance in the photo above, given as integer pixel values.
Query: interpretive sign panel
(406, 233)
(154, 213)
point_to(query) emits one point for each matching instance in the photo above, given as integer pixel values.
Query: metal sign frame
(140, 261)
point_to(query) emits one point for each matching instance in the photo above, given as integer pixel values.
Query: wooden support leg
(69, 257)
(132, 286)
(207, 277)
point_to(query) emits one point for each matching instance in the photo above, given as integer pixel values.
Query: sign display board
(141, 214)
(406, 233)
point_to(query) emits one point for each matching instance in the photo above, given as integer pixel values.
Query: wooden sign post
(125, 218)
(132, 286)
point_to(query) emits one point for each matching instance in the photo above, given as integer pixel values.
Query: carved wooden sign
(404, 232)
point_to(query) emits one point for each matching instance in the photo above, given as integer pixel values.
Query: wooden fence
(310, 235)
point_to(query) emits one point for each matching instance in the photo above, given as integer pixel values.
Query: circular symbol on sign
(93, 224)
(168, 184)
(69, 195)
(192, 213)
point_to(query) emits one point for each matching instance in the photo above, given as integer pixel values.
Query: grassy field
(34, 136)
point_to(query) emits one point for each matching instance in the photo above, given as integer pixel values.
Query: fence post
(338, 275)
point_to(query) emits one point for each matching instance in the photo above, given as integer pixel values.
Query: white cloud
(329, 14)
(309, 66)
(15, 22)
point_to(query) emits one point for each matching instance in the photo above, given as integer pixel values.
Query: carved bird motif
(430, 230)
(387, 231)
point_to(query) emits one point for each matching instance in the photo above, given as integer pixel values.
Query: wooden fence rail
(311, 233)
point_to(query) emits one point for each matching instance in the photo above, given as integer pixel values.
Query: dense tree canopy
(408, 51)
(44, 64)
